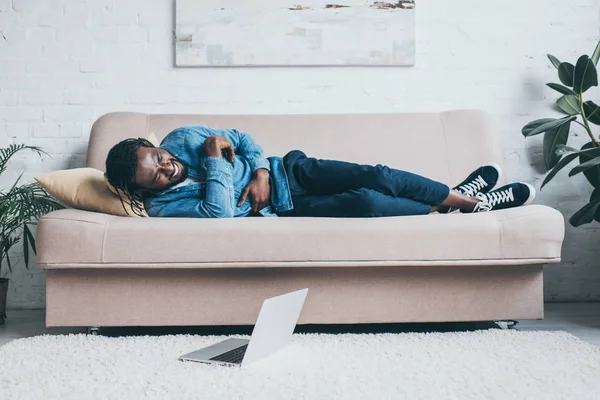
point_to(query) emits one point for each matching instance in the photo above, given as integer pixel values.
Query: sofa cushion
(75, 238)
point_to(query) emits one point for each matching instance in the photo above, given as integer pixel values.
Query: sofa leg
(508, 324)
(93, 330)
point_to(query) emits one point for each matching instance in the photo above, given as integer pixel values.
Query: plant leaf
(565, 73)
(592, 112)
(586, 214)
(596, 54)
(585, 75)
(588, 152)
(31, 238)
(583, 166)
(12, 149)
(561, 149)
(569, 154)
(8, 262)
(543, 125)
(596, 196)
(560, 88)
(552, 138)
(566, 159)
(569, 104)
(531, 126)
(26, 250)
(555, 61)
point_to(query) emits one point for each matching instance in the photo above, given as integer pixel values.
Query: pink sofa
(104, 270)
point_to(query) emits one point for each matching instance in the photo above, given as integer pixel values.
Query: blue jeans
(327, 188)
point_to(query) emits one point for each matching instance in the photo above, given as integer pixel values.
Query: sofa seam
(500, 236)
(312, 262)
(440, 115)
(71, 219)
(104, 241)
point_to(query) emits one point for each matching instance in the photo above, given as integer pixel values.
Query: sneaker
(482, 180)
(509, 196)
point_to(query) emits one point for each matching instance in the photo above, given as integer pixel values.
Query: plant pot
(3, 292)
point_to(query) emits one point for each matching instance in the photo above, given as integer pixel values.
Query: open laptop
(273, 331)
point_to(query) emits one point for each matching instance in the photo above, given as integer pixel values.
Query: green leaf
(587, 153)
(11, 150)
(569, 104)
(28, 240)
(586, 214)
(553, 138)
(560, 88)
(530, 127)
(596, 54)
(555, 61)
(31, 238)
(583, 166)
(592, 112)
(544, 125)
(569, 154)
(585, 75)
(596, 196)
(562, 149)
(8, 262)
(26, 249)
(566, 159)
(565, 73)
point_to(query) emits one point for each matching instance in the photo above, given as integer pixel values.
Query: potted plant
(576, 80)
(20, 207)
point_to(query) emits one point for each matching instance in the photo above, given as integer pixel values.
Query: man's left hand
(259, 191)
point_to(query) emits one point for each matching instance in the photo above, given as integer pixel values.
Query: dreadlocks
(121, 166)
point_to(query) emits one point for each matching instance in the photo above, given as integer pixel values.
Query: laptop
(273, 331)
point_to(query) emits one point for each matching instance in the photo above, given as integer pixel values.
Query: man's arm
(245, 146)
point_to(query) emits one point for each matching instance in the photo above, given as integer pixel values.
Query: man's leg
(358, 203)
(319, 177)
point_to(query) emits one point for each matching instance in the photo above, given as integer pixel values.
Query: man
(220, 173)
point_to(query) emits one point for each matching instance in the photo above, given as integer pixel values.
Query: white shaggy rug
(487, 364)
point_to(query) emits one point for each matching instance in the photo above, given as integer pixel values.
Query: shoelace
(489, 200)
(473, 187)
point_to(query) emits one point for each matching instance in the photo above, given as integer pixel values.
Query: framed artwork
(213, 33)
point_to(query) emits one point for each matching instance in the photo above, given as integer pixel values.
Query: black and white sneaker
(509, 196)
(482, 180)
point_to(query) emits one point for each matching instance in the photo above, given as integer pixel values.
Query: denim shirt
(219, 182)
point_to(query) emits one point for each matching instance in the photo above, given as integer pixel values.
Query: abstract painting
(294, 33)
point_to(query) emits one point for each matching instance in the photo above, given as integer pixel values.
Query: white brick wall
(64, 63)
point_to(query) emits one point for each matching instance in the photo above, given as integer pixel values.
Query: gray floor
(579, 319)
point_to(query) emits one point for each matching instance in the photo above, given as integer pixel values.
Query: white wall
(65, 63)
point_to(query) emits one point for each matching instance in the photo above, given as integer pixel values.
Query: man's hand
(259, 191)
(217, 146)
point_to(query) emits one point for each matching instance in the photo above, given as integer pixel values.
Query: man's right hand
(216, 146)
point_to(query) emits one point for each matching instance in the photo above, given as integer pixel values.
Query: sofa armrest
(86, 229)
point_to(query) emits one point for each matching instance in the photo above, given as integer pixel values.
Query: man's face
(157, 169)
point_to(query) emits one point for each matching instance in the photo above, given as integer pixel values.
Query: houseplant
(20, 207)
(576, 80)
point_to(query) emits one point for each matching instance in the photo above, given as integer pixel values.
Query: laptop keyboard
(232, 356)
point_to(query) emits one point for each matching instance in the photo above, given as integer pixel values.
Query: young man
(214, 173)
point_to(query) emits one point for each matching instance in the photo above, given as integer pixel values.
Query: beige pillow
(84, 188)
